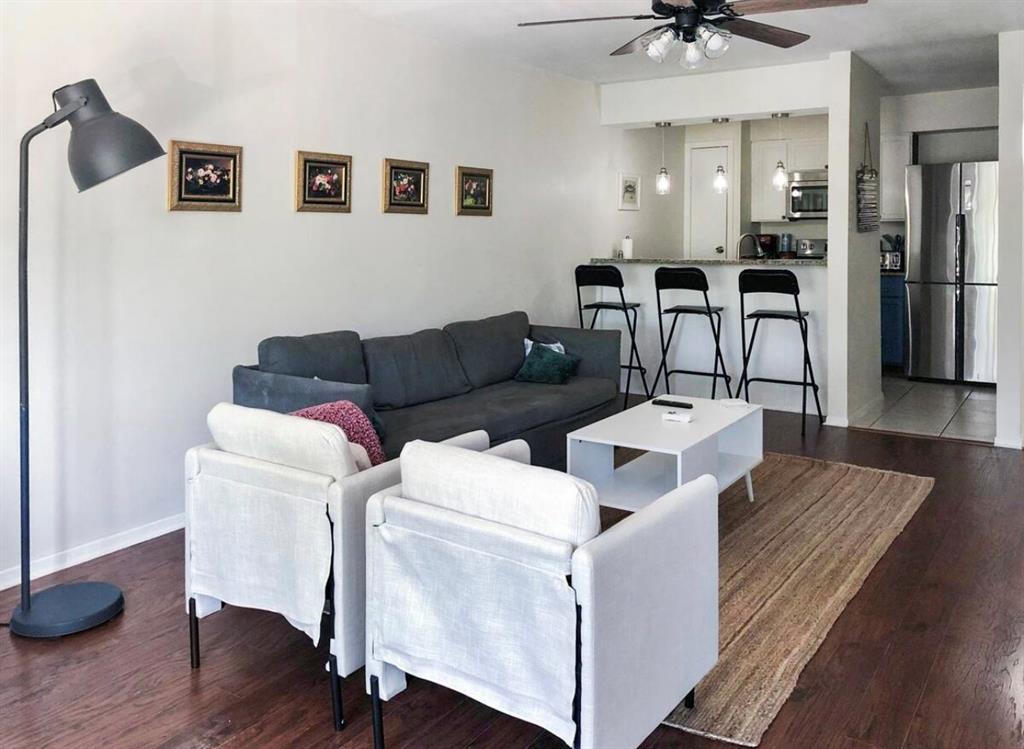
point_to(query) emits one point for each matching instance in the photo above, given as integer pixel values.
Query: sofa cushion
(539, 500)
(336, 356)
(491, 350)
(545, 365)
(408, 369)
(504, 410)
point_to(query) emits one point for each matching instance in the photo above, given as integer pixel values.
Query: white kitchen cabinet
(766, 202)
(896, 154)
(807, 153)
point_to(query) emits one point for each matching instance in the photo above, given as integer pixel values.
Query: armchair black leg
(193, 633)
(378, 717)
(336, 707)
(690, 699)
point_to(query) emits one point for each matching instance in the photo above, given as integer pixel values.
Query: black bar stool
(690, 279)
(775, 281)
(608, 276)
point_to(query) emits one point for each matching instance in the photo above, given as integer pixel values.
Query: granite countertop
(708, 261)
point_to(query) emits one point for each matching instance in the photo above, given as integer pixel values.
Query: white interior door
(708, 210)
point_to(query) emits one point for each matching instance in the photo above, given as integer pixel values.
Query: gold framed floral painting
(323, 182)
(204, 177)
(474, 188)
(406, 186)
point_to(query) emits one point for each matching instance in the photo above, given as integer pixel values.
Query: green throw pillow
(547, 366)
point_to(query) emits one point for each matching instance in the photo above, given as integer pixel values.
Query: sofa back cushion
(408, 369)
(281, 438)
(491, 350)
(539, 500)
(336, 356)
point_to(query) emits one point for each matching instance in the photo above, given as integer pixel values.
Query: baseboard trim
(1009, 444)
(93, 549)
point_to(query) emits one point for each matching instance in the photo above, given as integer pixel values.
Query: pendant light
(721, 182)
(663, 182)
(780, 178)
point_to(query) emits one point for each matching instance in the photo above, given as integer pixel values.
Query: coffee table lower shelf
(642, 480)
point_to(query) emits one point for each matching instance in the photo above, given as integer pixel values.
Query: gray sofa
(436, 384)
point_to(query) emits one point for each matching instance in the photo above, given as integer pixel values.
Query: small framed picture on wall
(204, 177)
(629, 192)
(323, 182)
(474, 188)
(406, 186)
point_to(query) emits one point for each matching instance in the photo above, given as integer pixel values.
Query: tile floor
(937, 410)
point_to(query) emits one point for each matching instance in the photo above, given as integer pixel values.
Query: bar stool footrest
(798, 383)
(719, 375)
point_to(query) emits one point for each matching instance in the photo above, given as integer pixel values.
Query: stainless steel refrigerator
(952, 271)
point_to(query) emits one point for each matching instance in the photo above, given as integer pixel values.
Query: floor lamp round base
(68, 608)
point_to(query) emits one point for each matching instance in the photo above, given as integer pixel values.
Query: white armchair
(275, 520)
(491, 577)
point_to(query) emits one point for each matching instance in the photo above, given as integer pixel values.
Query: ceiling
(916, 45)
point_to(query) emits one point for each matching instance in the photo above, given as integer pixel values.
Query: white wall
(137, 314)
(739, 94)
(854, 372)
(1010, 404)
(948, 146)
(657, 228)
(941, 110)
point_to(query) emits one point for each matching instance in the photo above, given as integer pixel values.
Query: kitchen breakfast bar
(778, 352)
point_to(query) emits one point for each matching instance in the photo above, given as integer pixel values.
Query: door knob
(720, 250)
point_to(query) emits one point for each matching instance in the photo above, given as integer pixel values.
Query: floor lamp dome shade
(103, 143)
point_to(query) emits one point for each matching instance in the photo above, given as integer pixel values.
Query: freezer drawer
(980, 333)
(931, 339)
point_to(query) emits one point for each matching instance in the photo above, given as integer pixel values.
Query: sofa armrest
(648, 595)
(286, 393)
(597, 349)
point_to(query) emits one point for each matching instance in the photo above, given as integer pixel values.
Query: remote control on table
(671, 402)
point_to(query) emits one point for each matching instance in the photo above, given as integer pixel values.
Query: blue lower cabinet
(894, 324)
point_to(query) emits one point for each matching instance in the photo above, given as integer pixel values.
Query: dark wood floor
(929, 654)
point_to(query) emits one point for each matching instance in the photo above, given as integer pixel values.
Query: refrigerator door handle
(961, 226)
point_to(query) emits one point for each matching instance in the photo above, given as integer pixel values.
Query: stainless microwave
(807, 195)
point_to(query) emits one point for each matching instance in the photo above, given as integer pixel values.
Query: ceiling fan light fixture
(720, 184)
(694, 56)
(659, 47)
(716, 41)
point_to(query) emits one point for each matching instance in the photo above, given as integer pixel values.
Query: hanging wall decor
(629, 192)
(323, 182)
(474, 187)
(867, 189)
(204, 177)
(406, 186)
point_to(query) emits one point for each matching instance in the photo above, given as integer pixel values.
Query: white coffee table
(725, 441)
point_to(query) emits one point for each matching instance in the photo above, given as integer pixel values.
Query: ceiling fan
(702, 28)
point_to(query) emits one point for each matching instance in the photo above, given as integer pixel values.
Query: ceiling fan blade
(761, 32)
(583, 20)
(637, 44)
(750, 7)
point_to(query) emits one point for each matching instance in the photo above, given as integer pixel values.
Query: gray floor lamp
(103, 144)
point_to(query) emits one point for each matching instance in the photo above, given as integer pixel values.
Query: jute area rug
(789, 564)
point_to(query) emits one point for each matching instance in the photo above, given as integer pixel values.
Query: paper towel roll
(627, 247)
